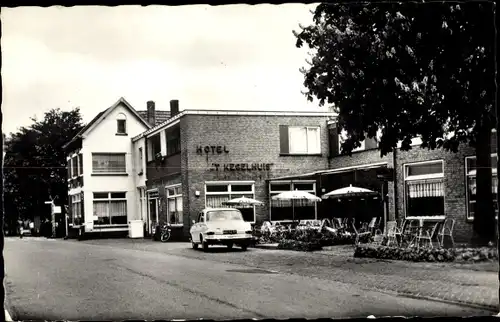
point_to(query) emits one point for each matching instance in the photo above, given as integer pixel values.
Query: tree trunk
(484, 216)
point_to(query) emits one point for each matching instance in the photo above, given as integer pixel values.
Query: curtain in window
(216, 201)
(298, 139)
(423, 189)
(118, 212)
(313, 140)
(178, 202)
(108, 163)
(101, 210)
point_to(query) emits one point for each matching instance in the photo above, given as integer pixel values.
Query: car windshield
(222, 215)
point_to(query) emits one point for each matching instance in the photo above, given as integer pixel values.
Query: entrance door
(152, 213)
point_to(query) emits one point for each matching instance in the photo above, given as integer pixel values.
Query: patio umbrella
(243, 201)
(296, 195)
(350, 191)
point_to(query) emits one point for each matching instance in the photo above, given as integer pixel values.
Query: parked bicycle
(165, 233)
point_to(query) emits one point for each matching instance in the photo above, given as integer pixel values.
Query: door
(152, 213)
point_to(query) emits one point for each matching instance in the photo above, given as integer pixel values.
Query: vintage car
(220, 226)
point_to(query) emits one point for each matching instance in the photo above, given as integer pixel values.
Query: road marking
(7, 316)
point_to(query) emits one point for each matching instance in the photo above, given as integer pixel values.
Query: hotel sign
(211, 149)
(222, 149)
(241, 166)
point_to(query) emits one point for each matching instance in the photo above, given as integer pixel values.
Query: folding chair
(358, 234)
(428, 235)
(391, 230)
(446, 230)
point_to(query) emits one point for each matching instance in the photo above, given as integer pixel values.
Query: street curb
(492, 308)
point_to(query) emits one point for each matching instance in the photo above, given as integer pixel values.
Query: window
(74, 167)
(281, 210)
(108, 163)
(80, 164)
(174, 202)
(153, 146)
(110, 208)
(300, 139)
(216, 193)
(173, 141)
(424, 189)
(121, 124)
(470, 193)
(140, 161)
(76, 213)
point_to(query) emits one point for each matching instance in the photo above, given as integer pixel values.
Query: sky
(239, 57)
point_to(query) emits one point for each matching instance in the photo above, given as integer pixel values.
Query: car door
(202, 227)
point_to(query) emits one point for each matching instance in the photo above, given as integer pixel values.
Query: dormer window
(121, 124)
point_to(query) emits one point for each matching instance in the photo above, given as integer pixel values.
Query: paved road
(56, 279)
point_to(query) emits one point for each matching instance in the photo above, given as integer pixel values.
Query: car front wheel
(244, 247)
(204, 244)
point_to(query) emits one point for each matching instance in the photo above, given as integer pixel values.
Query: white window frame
(76, 201)
(292, 187)
(152, 194)
(472, 174)
(124, 155)
(121, 117)
(407, 178)
(230, 193)
(177, 194)
(308, 128)
(109, 200)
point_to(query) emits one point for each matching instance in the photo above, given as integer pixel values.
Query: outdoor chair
(391, 230)
(446, 230)
(427, 235)
(399, 232)
(358, 234)
(410, 232)
(373, 226)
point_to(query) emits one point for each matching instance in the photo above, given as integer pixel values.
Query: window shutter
(333, 141)
(284, 139)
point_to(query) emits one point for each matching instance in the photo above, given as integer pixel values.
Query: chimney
(151, 114)
(174, 108)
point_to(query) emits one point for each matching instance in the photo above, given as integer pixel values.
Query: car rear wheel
(230, 246)
(244, 247)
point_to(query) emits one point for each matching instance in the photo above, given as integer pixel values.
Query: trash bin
(136, 229)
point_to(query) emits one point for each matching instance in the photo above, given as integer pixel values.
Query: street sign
(57, 209)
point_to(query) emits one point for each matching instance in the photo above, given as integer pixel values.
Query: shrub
(314, 236)
(425, 254)
(299, 245)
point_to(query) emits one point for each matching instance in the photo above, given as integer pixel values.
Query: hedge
(425, 254)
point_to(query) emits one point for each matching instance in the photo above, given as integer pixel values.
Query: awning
(333, 171)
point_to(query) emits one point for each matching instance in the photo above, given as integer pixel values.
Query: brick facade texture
(454, 180)
(249, 139)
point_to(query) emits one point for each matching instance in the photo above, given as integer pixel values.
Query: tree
(35, 164)
(409, 69)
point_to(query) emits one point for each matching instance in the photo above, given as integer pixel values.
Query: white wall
(103, 138)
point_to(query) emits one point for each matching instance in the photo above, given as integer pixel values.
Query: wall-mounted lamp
(323, 190)
(197, 194)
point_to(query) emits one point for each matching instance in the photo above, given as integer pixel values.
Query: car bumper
(229, 239)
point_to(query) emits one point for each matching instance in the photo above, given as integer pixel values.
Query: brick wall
(454, 171)
(454, 182)
(249, 139)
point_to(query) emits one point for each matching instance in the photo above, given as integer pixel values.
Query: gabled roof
(101, 115)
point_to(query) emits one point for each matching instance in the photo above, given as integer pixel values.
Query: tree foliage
(410, 70)
(35, 164)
